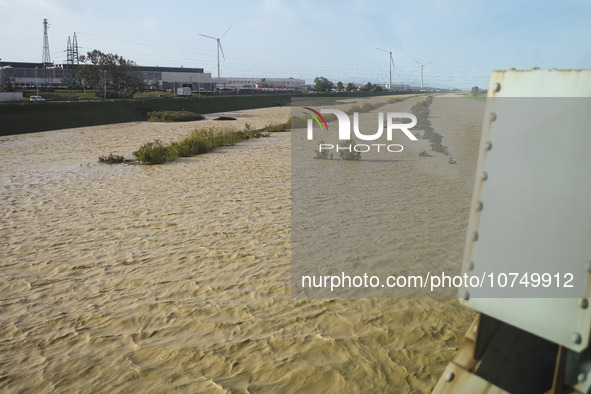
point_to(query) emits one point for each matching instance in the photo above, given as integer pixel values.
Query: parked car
(36, 98)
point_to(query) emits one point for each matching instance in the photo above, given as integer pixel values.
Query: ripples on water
(153, 278)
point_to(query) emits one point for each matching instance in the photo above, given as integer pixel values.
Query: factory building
(30, 75)
(292, 84)
(176, 77)
(27, 75)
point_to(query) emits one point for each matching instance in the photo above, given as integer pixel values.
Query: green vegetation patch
(112, 159)
(174, 116)
(421, 111)
(198, 142)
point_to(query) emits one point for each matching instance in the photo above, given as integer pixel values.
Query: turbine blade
(221, 49)
(203, 35)
(418, 62)
(383, 50)
(392, 61)
(428, 63)
(226, 31)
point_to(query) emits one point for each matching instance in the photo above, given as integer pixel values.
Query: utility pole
(75, 57)
(69, 65)
(46, 58)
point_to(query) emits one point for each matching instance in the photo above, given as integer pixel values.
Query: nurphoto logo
(393, 122)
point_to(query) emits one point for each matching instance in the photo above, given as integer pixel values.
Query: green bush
(298, 121)
(154, 153)
(228, 138)
(111, 159)
(277, 127)
(198, 142)
(185, 148)
(344, 152)
(174, 116)
(323, 155)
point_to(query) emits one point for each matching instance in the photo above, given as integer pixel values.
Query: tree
(475, 91)
(6, 83)
(155, 84)
(350, 87)
(323, 84)
(340, 86)
(367, 87)
(120, 76)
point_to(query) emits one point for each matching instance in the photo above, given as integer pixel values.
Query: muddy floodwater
(177, 277)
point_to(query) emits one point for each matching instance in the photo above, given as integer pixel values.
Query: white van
(36, 98)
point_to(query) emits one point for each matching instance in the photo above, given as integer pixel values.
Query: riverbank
(20, 118)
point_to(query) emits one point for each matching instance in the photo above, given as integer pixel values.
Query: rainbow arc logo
(315, 116)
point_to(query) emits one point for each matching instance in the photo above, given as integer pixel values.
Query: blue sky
(463, 39)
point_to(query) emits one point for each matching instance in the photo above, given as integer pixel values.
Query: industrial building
(26, 75)
(176, 77)
(30, 75)
(260, 83)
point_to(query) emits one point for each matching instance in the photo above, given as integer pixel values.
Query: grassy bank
(20, 118)
(27, 117)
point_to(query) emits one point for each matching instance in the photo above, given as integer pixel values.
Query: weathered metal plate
(533, 211)
(456, 379)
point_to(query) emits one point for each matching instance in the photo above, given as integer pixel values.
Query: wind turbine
(391, 62)
(219, 46)
(422, 65)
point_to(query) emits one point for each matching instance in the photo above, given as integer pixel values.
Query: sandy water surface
(154, 278)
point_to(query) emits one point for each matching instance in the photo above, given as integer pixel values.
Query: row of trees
(110, 74)
(322, 84)
(476, 91)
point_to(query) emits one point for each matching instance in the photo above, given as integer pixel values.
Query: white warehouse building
(259, 83)
(177, 77)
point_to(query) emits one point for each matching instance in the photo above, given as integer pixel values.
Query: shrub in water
(323, 155)
(344, 152)
(111, 159)
(154, 153)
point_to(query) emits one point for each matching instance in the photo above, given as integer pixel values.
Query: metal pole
(390, 82)
(105, 83)
(37, 80)
(421, 76)
(218, 59)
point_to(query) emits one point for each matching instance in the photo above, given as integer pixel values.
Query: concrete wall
(11, 96)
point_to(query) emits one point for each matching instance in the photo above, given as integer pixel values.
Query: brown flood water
(176, 277)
